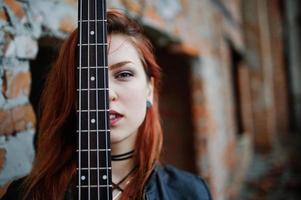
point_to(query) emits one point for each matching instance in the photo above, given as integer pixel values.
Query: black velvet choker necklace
(123, 156)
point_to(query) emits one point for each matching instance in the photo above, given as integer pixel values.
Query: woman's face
(129, 90)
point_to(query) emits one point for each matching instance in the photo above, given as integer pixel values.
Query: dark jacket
(166, 183)
(170, 183)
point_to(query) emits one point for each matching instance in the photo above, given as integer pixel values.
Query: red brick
(17, 84)
(3, 15)
(22, 115)
(16, 119)
(6, 125)
(2, 158)
(16, 7)
(185, 49)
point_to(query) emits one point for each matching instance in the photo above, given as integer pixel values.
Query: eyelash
(123, 75)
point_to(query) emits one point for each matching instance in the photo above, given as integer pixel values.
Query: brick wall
(210, 31)
(22, 23)
(199, 25)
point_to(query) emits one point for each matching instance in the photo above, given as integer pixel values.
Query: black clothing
(170, 183)
(166, 183)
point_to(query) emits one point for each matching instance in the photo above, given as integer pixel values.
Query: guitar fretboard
(93, 134)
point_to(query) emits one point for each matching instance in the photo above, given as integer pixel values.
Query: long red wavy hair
(55, 161)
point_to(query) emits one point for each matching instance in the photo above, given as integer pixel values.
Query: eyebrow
(118, 65)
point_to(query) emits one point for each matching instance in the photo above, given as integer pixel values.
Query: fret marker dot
(83, 178)
(93, 121)
(92, 32)
(104, 177)
(92, 78)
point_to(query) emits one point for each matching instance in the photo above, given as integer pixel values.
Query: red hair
(55, 162)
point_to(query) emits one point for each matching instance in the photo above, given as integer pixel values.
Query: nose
(112, 93)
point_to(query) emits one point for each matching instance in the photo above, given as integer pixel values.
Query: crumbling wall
(22, 23)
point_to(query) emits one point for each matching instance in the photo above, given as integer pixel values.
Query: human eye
(124, 75)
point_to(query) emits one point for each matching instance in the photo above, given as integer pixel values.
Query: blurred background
(230, 97)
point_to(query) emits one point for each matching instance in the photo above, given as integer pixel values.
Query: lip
(113, 122)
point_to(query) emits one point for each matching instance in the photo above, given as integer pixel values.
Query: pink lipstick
(115, 117)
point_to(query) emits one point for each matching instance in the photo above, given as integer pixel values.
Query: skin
(129, 91)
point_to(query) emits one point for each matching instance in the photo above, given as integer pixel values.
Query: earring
(148, 104)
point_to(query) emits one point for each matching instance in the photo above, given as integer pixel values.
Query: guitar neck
(93, 134)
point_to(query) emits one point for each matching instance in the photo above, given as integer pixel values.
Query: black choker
(123, 156)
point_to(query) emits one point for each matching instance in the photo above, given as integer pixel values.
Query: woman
(134, 78)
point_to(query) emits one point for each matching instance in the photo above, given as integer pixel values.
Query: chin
(116, 139)
(125, 139)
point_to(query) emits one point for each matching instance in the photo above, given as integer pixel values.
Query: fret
(94, 191)
(93, 44)
(89, 120)
(92, 20)
(93, 110)
(98, 176)
(94, 186)
(93, 89)
(96, 139)
(93, 54)
(94, 175)
(97, 77)
(92, 168)
(96, 158)
(93, 67)
(96, 99)
(89, 33)
(90, 131)
(84, 150)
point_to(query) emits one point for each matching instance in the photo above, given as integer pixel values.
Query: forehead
(121, 48)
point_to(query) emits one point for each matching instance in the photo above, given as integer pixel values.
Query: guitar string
(104, 37)
(79, 96)
(97, 120)
(81, 6)
(105, 86)
(89, 121)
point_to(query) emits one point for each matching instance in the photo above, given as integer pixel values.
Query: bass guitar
(94, 181)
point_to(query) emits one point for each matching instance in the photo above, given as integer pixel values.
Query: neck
(122, 167)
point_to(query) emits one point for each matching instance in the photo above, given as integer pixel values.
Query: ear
(150, 92)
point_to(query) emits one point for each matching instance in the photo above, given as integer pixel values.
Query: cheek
(135, 101)
(135, 98)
